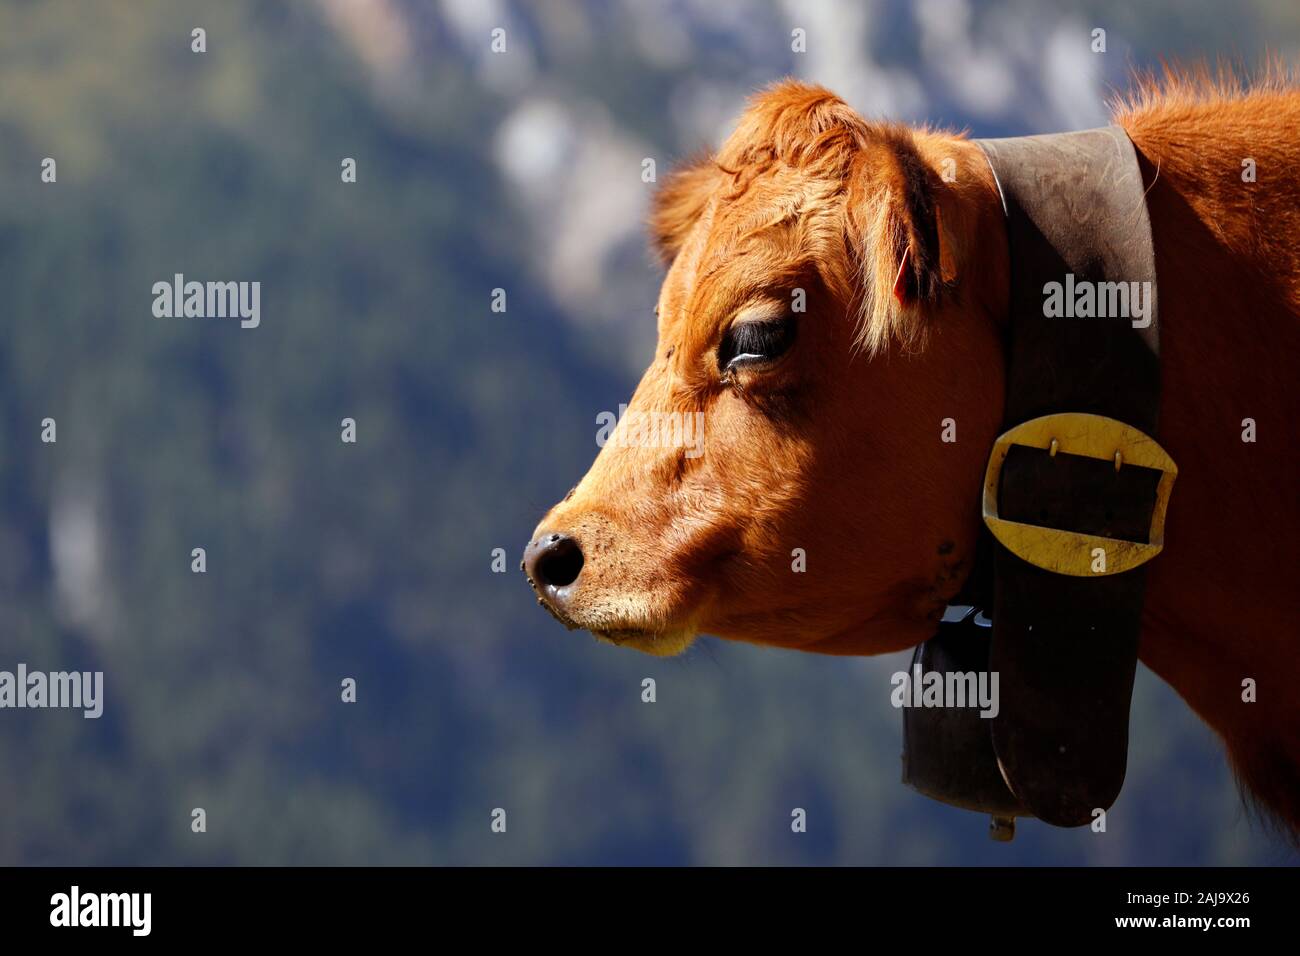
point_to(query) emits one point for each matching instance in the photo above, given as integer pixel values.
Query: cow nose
(552, 561)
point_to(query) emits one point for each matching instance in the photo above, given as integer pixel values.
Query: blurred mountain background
(373, 561)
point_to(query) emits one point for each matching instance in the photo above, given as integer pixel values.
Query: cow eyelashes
(753, 343)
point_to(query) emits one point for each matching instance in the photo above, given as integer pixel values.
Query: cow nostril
(556, 561)
(560, 562)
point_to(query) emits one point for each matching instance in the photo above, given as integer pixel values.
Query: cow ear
(678, 204)
(899, 231)
(921, 248)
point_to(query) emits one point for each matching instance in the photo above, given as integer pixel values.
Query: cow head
(801, 463)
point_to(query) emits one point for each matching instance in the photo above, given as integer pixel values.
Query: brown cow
(823, 427)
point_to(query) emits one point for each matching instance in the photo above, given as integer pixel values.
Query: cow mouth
(641, 638)
(658, 643)
(625, 635)
(555, 612)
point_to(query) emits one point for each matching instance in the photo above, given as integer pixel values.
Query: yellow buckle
(1070, 552)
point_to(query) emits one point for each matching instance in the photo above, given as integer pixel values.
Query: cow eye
(756, 342)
